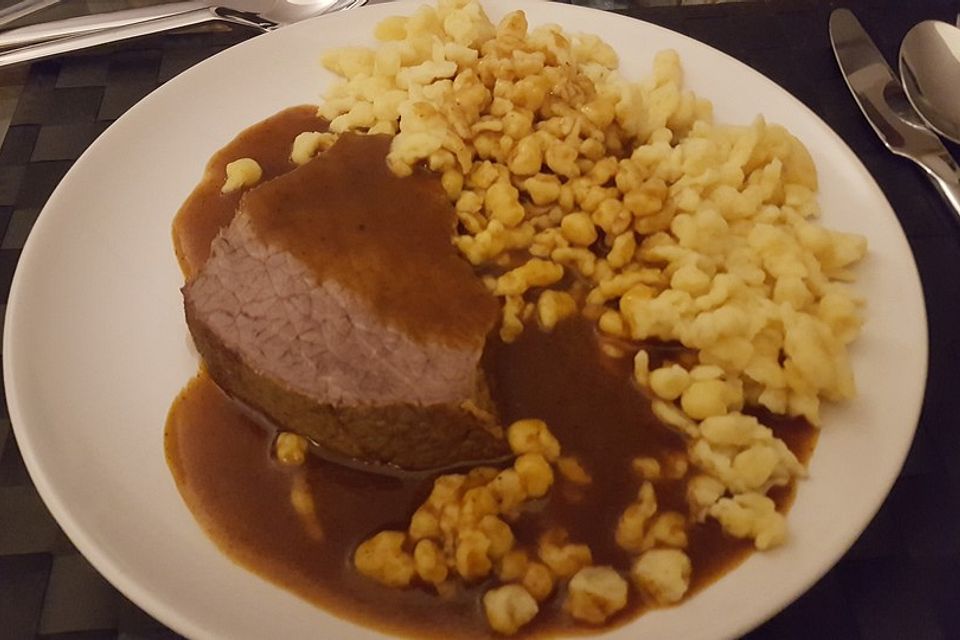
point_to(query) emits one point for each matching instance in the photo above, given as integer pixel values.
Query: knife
(883, 102)
(85, 24)
(22, 9)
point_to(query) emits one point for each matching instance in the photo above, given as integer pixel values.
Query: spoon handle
(115, 34)
(943, 171)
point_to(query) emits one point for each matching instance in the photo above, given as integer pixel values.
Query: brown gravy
(206, 210)
(391, 247)
(224, 469)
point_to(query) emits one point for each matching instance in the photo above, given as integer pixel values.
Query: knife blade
(884, 104)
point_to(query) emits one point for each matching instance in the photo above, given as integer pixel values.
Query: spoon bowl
(930, 70)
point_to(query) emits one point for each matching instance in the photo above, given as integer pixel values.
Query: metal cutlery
(54, 29)
(275, 14)
(23, 9)
(883, 102)
(930, 70)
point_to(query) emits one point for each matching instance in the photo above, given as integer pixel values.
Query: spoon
(930, 70)
(264, 15)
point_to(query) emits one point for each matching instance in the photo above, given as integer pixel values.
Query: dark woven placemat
(900, 580)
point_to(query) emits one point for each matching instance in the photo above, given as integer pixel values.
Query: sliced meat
(335, 305)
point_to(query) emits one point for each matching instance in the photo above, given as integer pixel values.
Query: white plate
(96, 347)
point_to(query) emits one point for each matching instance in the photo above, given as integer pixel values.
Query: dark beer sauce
(223, 464)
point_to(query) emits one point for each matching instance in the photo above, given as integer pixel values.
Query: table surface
(902, 577)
